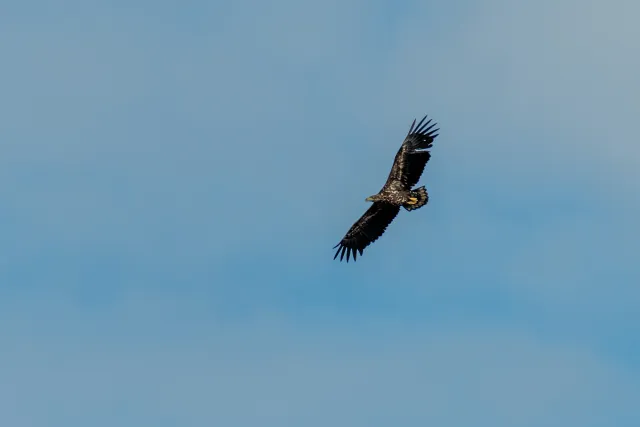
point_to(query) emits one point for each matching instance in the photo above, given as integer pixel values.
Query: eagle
(397, 192)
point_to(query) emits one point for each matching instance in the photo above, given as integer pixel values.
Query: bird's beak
(368, 199)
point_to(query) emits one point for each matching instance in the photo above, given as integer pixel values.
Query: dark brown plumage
(407, 168)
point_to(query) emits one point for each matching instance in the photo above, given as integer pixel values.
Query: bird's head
(373, 198)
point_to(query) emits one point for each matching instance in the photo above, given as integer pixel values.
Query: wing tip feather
(423, 127)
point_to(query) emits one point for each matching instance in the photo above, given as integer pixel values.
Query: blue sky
(175, 174)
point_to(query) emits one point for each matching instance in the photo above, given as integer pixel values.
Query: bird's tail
(422, 196)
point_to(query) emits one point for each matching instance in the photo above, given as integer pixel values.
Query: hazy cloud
(173, 179)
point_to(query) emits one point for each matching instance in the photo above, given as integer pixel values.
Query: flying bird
(397, 192)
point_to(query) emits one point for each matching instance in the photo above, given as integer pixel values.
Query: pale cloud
(206, 164)
(541, 91)
(118, 365)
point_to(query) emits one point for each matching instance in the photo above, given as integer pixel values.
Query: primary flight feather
(397, 192)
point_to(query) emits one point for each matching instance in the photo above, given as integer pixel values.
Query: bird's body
(397, 192)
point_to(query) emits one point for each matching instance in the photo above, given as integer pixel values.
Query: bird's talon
(412, 201)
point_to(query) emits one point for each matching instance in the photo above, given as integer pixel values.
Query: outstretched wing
(413, 156)
(367, 229)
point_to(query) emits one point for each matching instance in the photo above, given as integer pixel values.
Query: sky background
(173, 176)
